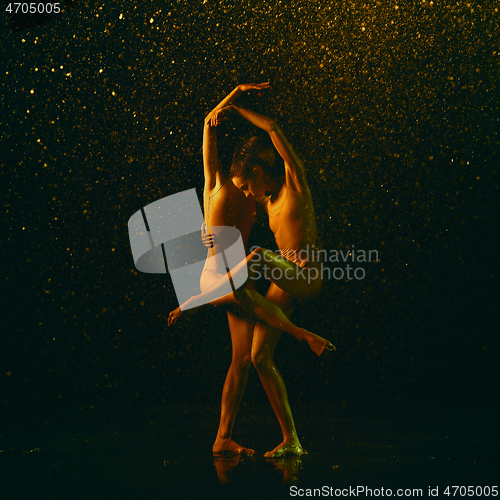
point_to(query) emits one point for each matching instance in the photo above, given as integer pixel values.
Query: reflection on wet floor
(288, 467)
(154, 454)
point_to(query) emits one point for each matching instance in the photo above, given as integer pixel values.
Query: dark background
(393, 108)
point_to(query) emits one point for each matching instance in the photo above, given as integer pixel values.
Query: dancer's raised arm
(294, 168)
(211, 163)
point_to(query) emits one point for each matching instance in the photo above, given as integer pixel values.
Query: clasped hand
(220, 114)
(207, 238)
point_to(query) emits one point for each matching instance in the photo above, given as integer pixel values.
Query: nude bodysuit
(225, 206)
(292, 220)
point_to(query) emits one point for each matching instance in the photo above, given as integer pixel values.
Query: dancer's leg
(241, 325)
(295, 281)
(268, 312)
(264, 343)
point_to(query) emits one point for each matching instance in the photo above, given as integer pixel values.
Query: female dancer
(225, 205)
(291, 218)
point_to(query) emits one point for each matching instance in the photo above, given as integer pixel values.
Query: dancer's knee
(241, 362)
(261, 360)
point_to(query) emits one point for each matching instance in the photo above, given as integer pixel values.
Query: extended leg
(270, 313)
(241, 327)
(266, 311)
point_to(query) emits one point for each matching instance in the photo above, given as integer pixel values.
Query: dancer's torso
(292, 220)
(225, 205)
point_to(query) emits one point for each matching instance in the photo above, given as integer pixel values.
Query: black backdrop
(394, 109)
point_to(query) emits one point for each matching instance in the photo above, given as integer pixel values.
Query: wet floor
(166, 453)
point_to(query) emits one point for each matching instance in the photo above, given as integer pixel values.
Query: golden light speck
(8, 374)
(113, 93)
(151, 20)
(101, 70)
(120, 16)
(32, 91)
(60, 67)
(36, 69)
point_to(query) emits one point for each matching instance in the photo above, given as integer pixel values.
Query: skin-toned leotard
(291, 219)
(225, 206)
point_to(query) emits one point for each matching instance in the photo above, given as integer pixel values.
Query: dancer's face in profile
(255, 186)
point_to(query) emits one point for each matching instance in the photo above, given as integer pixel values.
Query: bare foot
(229, 446)
(286, 449)
(318, 344)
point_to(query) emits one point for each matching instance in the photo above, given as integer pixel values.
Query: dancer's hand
(219, 115)
(207, 238)
(174, 316)
(253, 86)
